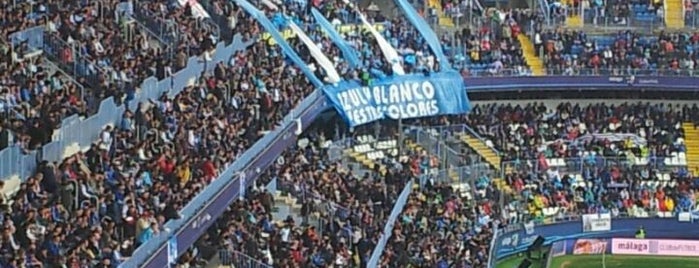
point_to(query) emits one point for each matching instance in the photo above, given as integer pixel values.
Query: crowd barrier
(517, 238)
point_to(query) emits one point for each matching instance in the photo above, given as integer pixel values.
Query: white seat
(581, 183)
(675, 161)
(666, 176)
(682, 161)
(549, 162)
(560, 162)
(667, 161)
(682, 155)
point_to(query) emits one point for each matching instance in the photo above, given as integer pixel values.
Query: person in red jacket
(209, 170)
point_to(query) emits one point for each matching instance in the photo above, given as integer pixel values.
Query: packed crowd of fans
(98, 44)
(494, 48)
(570, 129)
(340, 219)
(97, 207)
(625, 53)
(600, 145)
(440, 227)
(147, 167)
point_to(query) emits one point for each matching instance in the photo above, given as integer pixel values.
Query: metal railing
(32, 37)
(589, 165)
(237, 259)
(220, 17)
(452, 131)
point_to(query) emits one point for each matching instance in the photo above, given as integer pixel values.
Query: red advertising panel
(589, 246)
(663, 247)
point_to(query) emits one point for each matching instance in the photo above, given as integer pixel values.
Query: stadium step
(530, 55)
(501, 184)
(284, 206)
(361, 158)
(444, 19)
(691, 140)
(572, 20)
(674, 17)
(482, 149)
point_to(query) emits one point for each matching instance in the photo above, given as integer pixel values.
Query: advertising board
(662, 247)
(596, 222)
(589, 246)
(518, 240)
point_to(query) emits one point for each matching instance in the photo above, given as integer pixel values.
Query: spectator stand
(613, 15)
(498, 45)
(441, 225)
(579, 53)
(77, 134)
(324, 214)
(596, 159)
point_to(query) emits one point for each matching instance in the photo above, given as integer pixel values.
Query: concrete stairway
(444, 19)
(286, 205)
(490, 157)
(482, 149)
(573, 20)
(530, 55)
(691, 140)
(674, 14)
(362, 158)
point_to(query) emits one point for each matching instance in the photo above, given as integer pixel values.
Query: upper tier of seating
(624, 53)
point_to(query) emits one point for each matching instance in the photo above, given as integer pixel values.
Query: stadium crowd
(603, 148)
(139, 173)
(625, 53)
(339, 216)
(494, 48)
(96, 208)
(440, 227)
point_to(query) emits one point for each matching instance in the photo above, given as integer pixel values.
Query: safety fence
(237, 259)
(588, 166)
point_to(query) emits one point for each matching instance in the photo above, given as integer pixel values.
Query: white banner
(597, 222)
